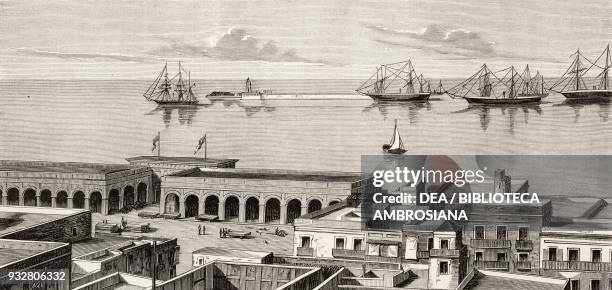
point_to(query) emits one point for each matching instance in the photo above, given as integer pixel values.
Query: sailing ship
(395, 146)
(585, 79)
(439, 90)
(165, 90)
(395, 82)
(485, 87)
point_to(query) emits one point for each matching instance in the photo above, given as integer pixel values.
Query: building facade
(254, 195)
(101, 188)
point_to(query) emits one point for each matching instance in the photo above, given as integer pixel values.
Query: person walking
(203, 230)
(199, 229)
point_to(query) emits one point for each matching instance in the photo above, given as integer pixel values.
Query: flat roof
(224, 252)
(14, 250)
(16, 218)
(182, 159)
(272, 174)
(62, 167)
(486, 280)
(98, 243)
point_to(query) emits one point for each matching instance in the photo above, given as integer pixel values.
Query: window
(479, 232)
(479, 256)
(573, 255)
(430, 243)
(443, 268)
(339, 243)
(595, 255)
(357, 244)
(200, 261)
(159, 259)
(552, 254)
(305, 242)
(574, 285)
(523, 257)
(523, 233)
(501, 257)
(595, 285)
(443, 244)
(502, 233)
(74, 232)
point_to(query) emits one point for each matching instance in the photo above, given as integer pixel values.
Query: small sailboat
(439, 90)
(395, 82)
(585, 79)
(395, 146)
(174, 91)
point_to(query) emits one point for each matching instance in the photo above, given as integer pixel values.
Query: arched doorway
(272, 211)
(294, 210)
(113, 201)
(251, 212)
(142, 192)
(232, 208)
(211, 205)
(171, 205)
(333, 202)
(45, 198)
(95, 201)
(192, 203)
(29, 197)
(61, 200)
(78, 200)
(128, 196)
(314, 205)
(12, 196)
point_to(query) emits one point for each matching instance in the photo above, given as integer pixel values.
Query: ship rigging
(165, 90)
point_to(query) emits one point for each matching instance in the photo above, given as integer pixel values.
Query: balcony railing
(452, 253)
(489, 243)
(577, 265)
(383, 259)
(422, 254)
(348, 254)
(493, 265)
(302, 251)
(523, 265)
(524, 245)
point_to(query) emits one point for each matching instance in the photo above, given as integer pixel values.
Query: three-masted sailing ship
(165, 90)
(485, 87)
(395, 82)
(395, 146)
(439, 90)
(585, 79)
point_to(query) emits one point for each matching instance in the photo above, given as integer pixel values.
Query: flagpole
(205, 145)
(158, 143)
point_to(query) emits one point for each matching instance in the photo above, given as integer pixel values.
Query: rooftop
(272, 174)
(61, 167)
(195, 161)
(224, 252)
(485, 280)
(14, 250)
(16, 218)
(106, 241)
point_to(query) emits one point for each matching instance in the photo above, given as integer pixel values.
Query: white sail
(396, 141)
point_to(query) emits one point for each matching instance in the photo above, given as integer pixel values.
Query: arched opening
(294, 210)
(12, 196)
(272, 211)
(45, 198)
(171, 205)
(61, 200)
(128, 197)
(232, 208)
(252, 209)
(142, 192)
(95, 201)
(191, 206)
(211, 205)
(29, 197)
(314, 205)
(333, 202)
(78, 200)
(113, 201)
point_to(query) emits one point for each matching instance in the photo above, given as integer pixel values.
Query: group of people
(223, 232)
(201, 230)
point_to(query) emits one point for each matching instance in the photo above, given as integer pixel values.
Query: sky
(288, 39)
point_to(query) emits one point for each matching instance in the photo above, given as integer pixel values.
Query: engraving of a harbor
(230, 144)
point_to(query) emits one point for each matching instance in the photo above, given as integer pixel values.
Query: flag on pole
(155, 142)
(201, 142)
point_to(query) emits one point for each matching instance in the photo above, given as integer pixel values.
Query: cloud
(235, 44)
(443, 39)
(66, 55)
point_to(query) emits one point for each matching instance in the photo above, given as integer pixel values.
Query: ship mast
(605, 72)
